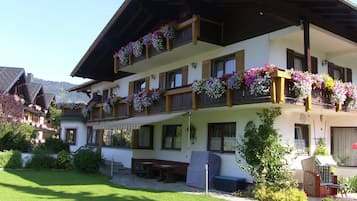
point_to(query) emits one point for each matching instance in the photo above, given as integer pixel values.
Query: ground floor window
(143, 138)
(222, 137)
(171, 137)
(71, 135)
(341, 145)
(117, 138)
(93, 136)
(302, 139)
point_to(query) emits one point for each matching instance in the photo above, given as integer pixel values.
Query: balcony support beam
(307, 52)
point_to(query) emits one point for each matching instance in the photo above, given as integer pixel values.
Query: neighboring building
(25, 101)
(214, 38)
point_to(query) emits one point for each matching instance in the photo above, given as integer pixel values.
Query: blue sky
(49, 37)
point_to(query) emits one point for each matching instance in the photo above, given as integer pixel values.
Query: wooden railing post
(195, 28)
(101, 112)
(116, 63)
(114, 112)
(168, 103)
(194, 101)
(128, 110)
(308, 102)
(278, 86)
(229, 97)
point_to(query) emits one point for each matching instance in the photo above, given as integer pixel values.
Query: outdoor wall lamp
(194, 65)
(153, 76)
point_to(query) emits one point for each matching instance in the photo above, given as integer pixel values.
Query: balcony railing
(190, 31)
(183, 99)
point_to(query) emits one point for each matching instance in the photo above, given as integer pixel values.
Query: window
(139, 85)
(174, 79)
(296, 61)
(171, 137)
(339, 73)
(71, 136)
(302, 140)
(342, 139)
(222, 137)
(222, 66)
(117, 138)
(105, 94)
(92, 136)
(143, 137)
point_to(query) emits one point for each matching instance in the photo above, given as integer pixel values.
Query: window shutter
(330, 69)
(131, 88)
(206, 68)
(135, 139)
(239, 61)
(289, 58)
(348, 75)
(162, 78)
(147, 83)
(314, 65)
(184, 75)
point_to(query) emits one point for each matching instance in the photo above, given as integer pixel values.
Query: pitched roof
(8, 77)
(48, 99)
(34, 89)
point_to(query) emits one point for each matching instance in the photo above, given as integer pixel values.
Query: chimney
(29, 77)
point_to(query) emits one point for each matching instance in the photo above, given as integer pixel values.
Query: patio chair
(318, 179)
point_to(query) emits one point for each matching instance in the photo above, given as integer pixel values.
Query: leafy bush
(268, 194)
(53, 145)
(87, 160)
(327, 199)
(321, 149)
(350, 184)
(15, 137)
(63, 160)
(41, 161)
(10, 159)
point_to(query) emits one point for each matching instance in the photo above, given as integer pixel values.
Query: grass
(56, 185)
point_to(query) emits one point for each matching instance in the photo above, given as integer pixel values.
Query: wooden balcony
(193, 36)
(183, 99)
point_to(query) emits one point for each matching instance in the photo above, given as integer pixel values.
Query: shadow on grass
(47, 194)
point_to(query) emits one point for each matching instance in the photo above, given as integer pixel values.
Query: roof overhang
(136, 18)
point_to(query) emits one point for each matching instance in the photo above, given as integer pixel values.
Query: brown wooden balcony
(193, 36)
(183, 99)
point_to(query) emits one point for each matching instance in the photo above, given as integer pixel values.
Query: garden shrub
(63, 160)
(289, 194)
(321, 148)
(15, 137)
(10, 159)
(41, 160)
(87, 161)
(52, 145)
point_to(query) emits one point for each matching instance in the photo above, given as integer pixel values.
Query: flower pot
(338, 107)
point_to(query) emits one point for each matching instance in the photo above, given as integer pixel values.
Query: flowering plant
(88, 108)
(124, 53)
(234, 80)
(258, 80)
(214, 88)
(351, 94)
(137, 48)
(328, 82)
(145, 99)
(168, 31)
(147, 39)
(317, 81)
(338, 92)
(158, 40)
(302, 83)
(198, 86)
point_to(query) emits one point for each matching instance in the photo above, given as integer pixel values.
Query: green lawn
(55, 185)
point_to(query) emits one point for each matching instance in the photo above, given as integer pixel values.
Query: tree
(54, 115)
(263, 152)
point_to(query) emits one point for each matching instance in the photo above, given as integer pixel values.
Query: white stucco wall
(81, 138)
